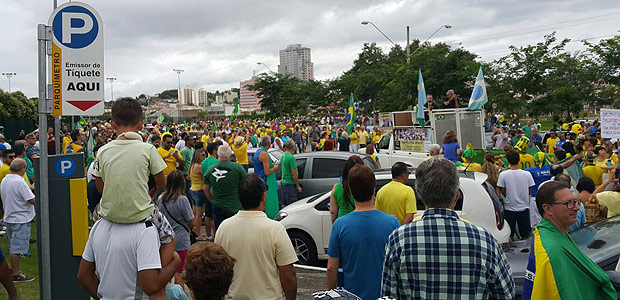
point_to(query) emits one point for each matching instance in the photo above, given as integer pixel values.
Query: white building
(295, 60)
(226, 97)
(188, 96)
(248, 100)
(202, 97)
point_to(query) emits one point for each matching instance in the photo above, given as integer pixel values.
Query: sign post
(73, 43)
(77, 60)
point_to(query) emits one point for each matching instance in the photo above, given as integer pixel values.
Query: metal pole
(58, 142)
(179, 71)
(44, 35)
(408, 56)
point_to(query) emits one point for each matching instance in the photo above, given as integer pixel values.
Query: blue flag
(421, 99)
(479, 94)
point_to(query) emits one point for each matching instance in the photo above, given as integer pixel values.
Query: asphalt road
(310, 281)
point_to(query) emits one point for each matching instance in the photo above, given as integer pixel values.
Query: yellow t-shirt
(353, 137)
(376, 137)
(262, 242)
(611, 200)
(526, 161)
(66, 141)
(205, 139)
(473, 167)
(363, 137)
(241, 154)
(601, 163)
(4, 170)
(396, 199)
(550, 144)
(171, 161)
(595, 173)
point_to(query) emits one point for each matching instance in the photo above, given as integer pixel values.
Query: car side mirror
(614, 277)
(377, 147)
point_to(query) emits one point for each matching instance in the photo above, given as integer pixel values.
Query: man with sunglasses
(170, 154)
(557, 268)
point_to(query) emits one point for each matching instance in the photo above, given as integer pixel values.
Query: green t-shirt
(125, 166)
(187, 153)
(514, 141)
(527, 131)
(343, 209)
(207, 163)
(288, 163)
(29, 168)
(224, 178)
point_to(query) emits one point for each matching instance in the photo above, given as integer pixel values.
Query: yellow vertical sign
(79, 215)
(57, 79)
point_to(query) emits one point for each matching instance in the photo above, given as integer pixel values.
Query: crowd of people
(151, 187)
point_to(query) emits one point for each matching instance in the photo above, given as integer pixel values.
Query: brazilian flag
(351, 116)
(557, 269)
(235, 112)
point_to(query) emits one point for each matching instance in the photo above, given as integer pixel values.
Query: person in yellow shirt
(170, 155)
(396, 198)
(551, 140)
(592, 171)
(525, 160)
(205, 137)
(469, 164)
(354, 145)
(8, 156)
(601, 159)
(363, 136)
(376, 135)
(240, 148)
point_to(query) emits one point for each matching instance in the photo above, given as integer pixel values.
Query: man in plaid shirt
(440, 256)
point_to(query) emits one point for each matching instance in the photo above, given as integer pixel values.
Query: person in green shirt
(188, 153)
(527, 129)
(290, 178)
(223, 177)
(212, 156)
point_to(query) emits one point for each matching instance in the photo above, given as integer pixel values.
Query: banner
(610, 123)
(386, 121)
(412, 139)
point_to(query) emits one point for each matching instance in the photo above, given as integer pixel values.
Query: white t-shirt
(15, 195)
(180, 145)
(119, 252)
(275, 144)
(517, 184)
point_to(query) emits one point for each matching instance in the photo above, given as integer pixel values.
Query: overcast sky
(218, 43)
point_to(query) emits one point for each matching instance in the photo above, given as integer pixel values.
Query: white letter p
(67, 30)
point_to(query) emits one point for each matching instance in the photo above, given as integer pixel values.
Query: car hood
(303, 203)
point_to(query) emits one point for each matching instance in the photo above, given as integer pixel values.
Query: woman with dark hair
(176, 208)
(450, 149)
(341, 201)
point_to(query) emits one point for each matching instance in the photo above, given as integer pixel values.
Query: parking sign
(77, 60)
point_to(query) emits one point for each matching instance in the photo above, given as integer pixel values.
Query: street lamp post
(179, 71)
(440, 28)
(111, 79)
(266, 66)
(9, 75)
(375, 26)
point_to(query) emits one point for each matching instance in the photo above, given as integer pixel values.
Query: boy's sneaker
(21, 277)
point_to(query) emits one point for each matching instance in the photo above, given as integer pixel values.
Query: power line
(541, 26)
(539, 30)
(553, 44)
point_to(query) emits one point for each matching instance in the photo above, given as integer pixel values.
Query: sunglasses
(12, 156)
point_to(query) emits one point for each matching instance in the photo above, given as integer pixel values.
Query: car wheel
(304, 248)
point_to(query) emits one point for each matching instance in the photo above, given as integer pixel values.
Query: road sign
(65, 167)
(77, 60)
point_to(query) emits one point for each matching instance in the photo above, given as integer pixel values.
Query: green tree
(15, 105)
(169, 94)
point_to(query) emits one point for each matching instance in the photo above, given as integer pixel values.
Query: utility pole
(179, 71)
(408, 56)
(9, 75)
(111, 79)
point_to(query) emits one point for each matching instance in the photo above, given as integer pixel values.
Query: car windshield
(599, 239)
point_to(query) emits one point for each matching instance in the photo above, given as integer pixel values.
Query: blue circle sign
(75, 27)
(65, 167)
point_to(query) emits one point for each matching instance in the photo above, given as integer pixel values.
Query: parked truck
(405, 141)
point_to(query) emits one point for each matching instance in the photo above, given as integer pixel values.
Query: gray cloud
(218, 43)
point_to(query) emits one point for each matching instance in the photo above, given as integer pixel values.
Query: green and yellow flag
(351, 116)
(235, 112)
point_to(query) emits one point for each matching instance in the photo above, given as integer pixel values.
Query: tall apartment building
(248, 99)
(295, 60)
(188, 96)
(202, 97)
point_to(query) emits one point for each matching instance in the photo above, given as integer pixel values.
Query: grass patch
(28, 265)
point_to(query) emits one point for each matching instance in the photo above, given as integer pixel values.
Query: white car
(308, 221)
